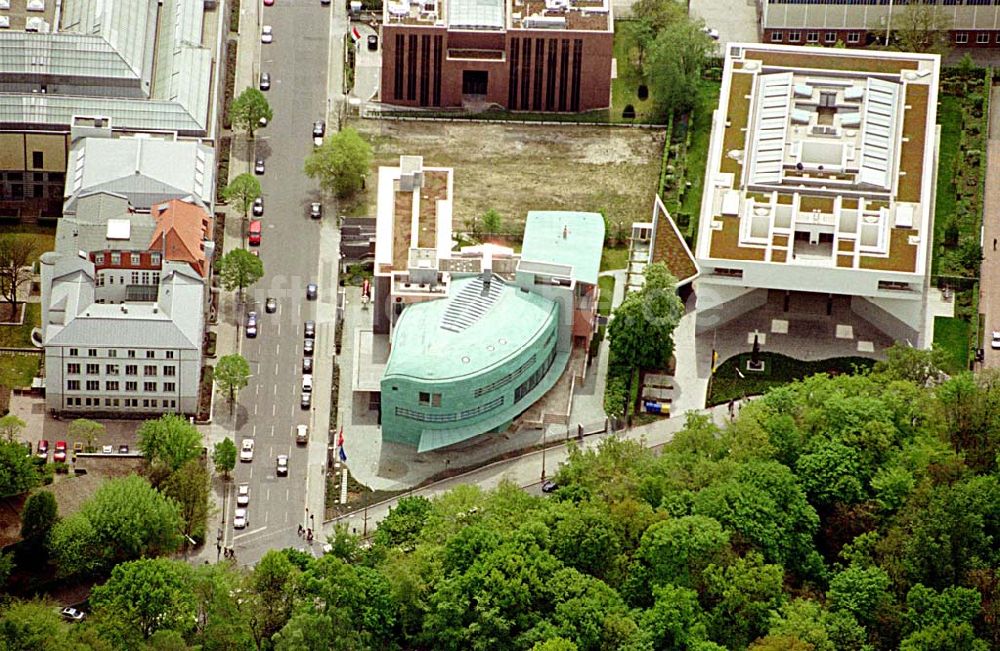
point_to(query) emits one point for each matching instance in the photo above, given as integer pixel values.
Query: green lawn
(779, 369)
(625, 88)
(44, 237)
(18, 370)
(20, 336)
(697, 154)
(614, 259)
(950, 119)
(607, 285)
(952, 336)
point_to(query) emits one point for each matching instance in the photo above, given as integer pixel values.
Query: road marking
(249, 533)
(277, 349)
(256, 390)
(251, 472)
(300, 309)
(286, 517)
(270, 453)
(276, 368)
(275, 391)
(274, 405)
(266, 516)
(255, 408)
(254, 428)
(268, 498)
(279, 327)
(272, 430)
(288, 495)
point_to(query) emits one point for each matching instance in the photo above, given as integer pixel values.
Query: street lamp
(544, 435)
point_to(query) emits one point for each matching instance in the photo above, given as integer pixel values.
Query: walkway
(989, 284)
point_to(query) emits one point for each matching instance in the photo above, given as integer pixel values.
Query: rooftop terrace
(497, 15)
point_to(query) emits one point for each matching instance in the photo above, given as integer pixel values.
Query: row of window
(117, 402)
(885, 2)
(813, 37)
(135, 259)
(536, 377)
(137, 277)
(114, 385)
(112, 369)
(510, 377)
(452, 417)
(92, 352)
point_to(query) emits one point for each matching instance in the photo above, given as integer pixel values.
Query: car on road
(306, 401)
(311, 290)
(266, 34)
(316, 210)
(301, 434)
(122, 449)
(307, 383)
(108, 449)
(549, 486)
(271, 305)
(252, 325)
(71, 614)
(258, 206)
(711, 32)
(282, 465)
(996, 339)
(246, 450)
(307, 365)
(243, 495)
(325, 3)
(255, 230)
(268, 3)
(258, 167)
(308, 347)
(265, 81)
(240, 519)
(319, 129)
(43, 449)
(310, 329)
(59, 456)
(373, 42)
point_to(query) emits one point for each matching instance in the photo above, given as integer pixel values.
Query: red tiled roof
(185, 226)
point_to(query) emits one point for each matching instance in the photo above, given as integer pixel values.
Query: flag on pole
(355, 34)
(340, 437)
(343, 455)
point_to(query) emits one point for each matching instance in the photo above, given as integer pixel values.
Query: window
(962, 37)
(111, 385)
(73, 369)
(112, 353)
(116, 258)
(830, 37)
(170, 354)
(37, 159)
(154, 258)
(93, 369)
(145, 277)
(149, 387)
(853, 37)
(170, 371)
(131, 386)
(99, 258)
(72, 385)
(998, 38)
(91, 352)
(131, 354)
(135, 277)
(131, 369)
(425, 398)
(111, 369)
(150, 354)
(794, 37)
(777, 36)
(73, 352)
(131, 402)
(93, 385)
(100, 280)
(729, 273)
(436, 400)
(982, 38)
(812, 37)
(149, 369)
(135, 260)
(145, 402)
(169, 387)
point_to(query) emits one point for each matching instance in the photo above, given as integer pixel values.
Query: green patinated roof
(466, 333)
(581, 247)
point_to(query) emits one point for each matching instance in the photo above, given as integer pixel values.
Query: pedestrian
(732, 408)
(994, 244)
(300, 531)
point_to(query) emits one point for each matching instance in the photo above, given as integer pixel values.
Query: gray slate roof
(87, 230)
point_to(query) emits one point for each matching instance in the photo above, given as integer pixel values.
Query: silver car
(243, 495)
(240, 519)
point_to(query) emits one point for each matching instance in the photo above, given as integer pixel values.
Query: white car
(307, 383)
(71, 614)
(301, 434)
(266, 34)
(246, 451)
(243, 495)
(996, 339)
(240, 519)
(712, 33)
(282, 465)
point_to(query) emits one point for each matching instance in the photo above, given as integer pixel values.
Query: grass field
(612, 259)
(20, 336)
(625, 88)
(44, 237)
(514, 168)
(778, 370)
(607, 285)
(697, 154)
(950, 119)
(18, 370)
(952, 336)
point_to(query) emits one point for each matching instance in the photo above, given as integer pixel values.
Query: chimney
(486, 282)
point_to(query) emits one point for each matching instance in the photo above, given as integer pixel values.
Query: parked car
(549, 486)
(282, 465)
(255, 230)
(122, 449)
(252, 325)
(240, 519)
(306, 401)
(246, 450)
(996, 339)
(301, 434)
(311, 290)
(308, 347)
(319, 128)
(307, 383)
(265, 81)
(71, 614)
(307, 365)
(266, 34)
(310, 330)
(59, 456)
(268, 3)
(258, 206)
(243, 495)
(258, 167)
(372, 42)
(43, 449)
(271, 305)
(712, 32)
(107, 449)
(316, 210)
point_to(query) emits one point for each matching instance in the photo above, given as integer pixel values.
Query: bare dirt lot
(516, 168)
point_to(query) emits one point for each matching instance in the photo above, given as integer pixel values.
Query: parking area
(736, 20)
(367, 63)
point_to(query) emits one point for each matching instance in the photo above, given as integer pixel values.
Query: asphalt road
(269, 407)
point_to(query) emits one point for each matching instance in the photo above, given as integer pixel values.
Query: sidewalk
(989, 283)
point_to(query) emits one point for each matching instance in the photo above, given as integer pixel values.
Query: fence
(370, 112)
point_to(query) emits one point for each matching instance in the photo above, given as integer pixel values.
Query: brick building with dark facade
(523, 55)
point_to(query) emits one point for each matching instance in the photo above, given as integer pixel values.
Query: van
(307, 383)
(255, 228)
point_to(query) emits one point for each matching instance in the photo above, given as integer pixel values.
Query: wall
(894, 318)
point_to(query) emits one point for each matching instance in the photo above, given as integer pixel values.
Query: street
(295, 251)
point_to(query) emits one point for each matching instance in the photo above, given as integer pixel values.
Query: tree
(126, 518)
(87, 430)
(11, 427)
(917, 365)
(40, 514)
(744, 595)
(169, 441)
(403, 524)
(675, 621)
(492, 222)
(16, 255)
(18, 472)
(341, 163)
(143, 597)
(678, 550)
(33, 626)
(272, 588)
(242, 191)
(189, 487)
(674, 67)
(921, 28)
(239, 269)
(224, 456)
(248, 109)
(861, 592)
(232, 373)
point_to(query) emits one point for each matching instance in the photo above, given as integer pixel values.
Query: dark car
(549, 486)
(271, 305)
(311, 290)
(306, 401)
(252, 325)
(265, 81)
(319, 128)
(258, 206)
(372, 42)
(308, 347)
(258, 167)
(310, 329)
(307, 365)
(43, 449)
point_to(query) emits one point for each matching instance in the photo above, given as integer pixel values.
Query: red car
(43, 449)
(59, 456)
(255, 230)
(268, 3)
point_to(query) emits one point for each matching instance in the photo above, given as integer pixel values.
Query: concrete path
(367, 66)
(989, 285)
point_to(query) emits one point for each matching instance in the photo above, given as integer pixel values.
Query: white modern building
(820, 179)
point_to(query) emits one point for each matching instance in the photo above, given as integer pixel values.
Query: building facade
(821, 179)
(522, 55)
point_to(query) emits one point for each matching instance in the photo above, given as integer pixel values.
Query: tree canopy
(224, 456)
(18, 472)
(232, 374)
(239, 269)
(341, 163)
(169, 441)
(247, 110)
(242, 191)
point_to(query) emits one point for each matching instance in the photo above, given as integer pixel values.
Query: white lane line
(274, 405)
(268, 498)
(286, 517)
(256, 390)
(288, 494)
(266, 514)
(255, 408)
(270, 453)
(277, 349)
(254, 429)
(300, 309)
(272, 430)
(275, 389)
(276, 368)
(251, 472)
(279, 327)
(249, 533)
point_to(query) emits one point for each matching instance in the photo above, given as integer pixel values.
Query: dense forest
(835, 514)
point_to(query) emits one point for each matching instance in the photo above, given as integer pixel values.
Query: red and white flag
(355, 34)
(340, 437)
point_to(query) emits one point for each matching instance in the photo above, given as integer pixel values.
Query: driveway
(736, 20)
(367, 65)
